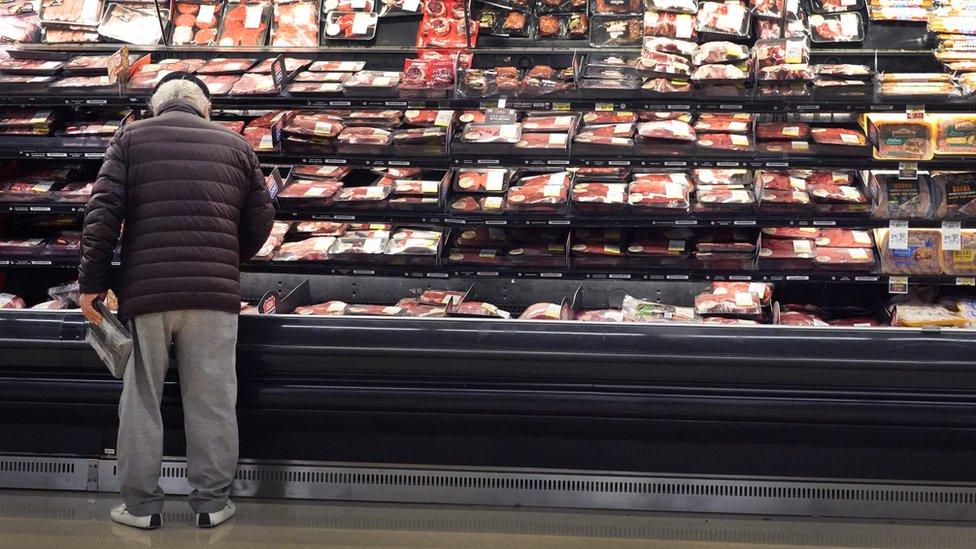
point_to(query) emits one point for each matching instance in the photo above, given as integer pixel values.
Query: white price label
(898, 235)
(898, 284)
(496, 180)
(684, 26)
(557, 179)
(951, 236)
(738, 126)
(315, 191)
(444, 118)
(858, 253)
(861, 237)
(508, 131)
(791, 131)
(253, 16)
(744, 299)
(673, 190)
(802, 247)
(493, 202)
(739, 140)
(850, 139)
(40, 117)
(381, 82)
(205, 17)
(850, 25)
(322, 128)
(429, 187)
(414, 5)
(267, 142)
(90, 11)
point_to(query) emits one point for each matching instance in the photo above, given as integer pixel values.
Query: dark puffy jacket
(192, 196)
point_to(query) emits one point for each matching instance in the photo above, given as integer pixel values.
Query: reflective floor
(79, 521)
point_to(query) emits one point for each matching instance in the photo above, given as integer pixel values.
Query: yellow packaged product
(896, 137)
(921, 315)
(961, 262)
(955, 134)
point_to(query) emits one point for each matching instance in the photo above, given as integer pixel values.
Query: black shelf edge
(41, 207)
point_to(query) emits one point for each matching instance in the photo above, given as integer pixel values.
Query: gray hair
(180, 89)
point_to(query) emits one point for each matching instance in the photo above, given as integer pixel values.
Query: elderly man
(192, 197)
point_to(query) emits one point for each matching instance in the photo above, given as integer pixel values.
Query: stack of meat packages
(146, 78)
(665, 133)
(386, 189)
(348, 19)
(245, 24)
(480, 191)
(726, 249)
(547, 133)
(725, 134)
(295, 24)
(541, 193)
(799, 191)
(784, 138)
(609, 75)
(365, 132)
(783, 67)
(510, 82)
(492, 247)
(807, 248)
(312, 186)
(607, 248)
(430, 303)
(608, 132)
(782, 18)
(723, 190)
(46, 183)
(735, 302)
(70, 22)
(27, 121)
(258, 132)
(324, 77)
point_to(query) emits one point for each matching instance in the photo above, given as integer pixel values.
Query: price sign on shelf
(898, 235)
(951, 236)
(898, 285)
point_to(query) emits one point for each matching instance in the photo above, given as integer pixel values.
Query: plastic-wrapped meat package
(420, 136)
(479, 180)
(838, 136)
(800, 318)
(65, 243)
(862, 322)
(782, 130)
(725, 240)
(773, 248)
(440, 297)
(609, 117)
(271, 245)
(844, 238)
(233, 65)
(782, 180)
(730, 18)
(337, 66)
(481, 237)
(845, 258)
(407, 243)
(474, 256)
(721, 198)
(654, 245)
(53, 305)
(254, 84)
(608, 174)
(312, 249)
(842, 194)
(373, 310)
(544, 311)
(315, 190)
(557, 123)
(662, 44)
(478, 309)
(747, 304)
(782, 51)
(895, 198)
(775, 8)
(131, 24)
(318, 77)
(245, 24)
(416, 187)
(722, 73)
(351, 245)
(600, 193)
(605, 315)
(365, 136)
(599, 236)
(296, 24)
(657, 194)
(313, 125)
(674, 130)
(321, 228)
(847, 70)
(719, 52)
(544, 198)
(196, 23)
(792, 233)
(492, 133)
(546, 180)
(77, 191)
(785, 147)
(722, 176)
(411, 307)
(761, 289)
(87, 14)
(350, 26)
(371, 193)
(725, 142)
(786, 72)
(608, 130)
(957, 192)
(723, 123)
(773, 200)
(259, 138)
(664, 64)
(292, 64)
(545, 141)
(961, 262)
(329, 308)
(680, 26)
(11, 301)
(18, 27)
(837, 27)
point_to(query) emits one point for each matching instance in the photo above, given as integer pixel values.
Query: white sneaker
(209, 520)
(121, 515)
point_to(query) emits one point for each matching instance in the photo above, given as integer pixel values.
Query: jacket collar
(178, 105)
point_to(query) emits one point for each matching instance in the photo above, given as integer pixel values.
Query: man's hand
(88, 307)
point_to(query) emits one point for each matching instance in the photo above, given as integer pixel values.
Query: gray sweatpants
(205, 343)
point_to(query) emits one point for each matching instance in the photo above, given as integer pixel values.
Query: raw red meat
(481, 237)
(657, 194)
(254, 84)
(225, 66)
(543, 311)
(792, 233)
(319, 190)
(844, 238)
(666, 129)
(838, 136)
(846, 258)
(722, 176)
(440, 297)
(761, 289)
(374, 310)
(479, 309)
(786, 198)
(483, 180)
(837, 193)
(610, 117)
(774, 248)
(11, 301)
(730, 18)
(558, 123)
(781, 180)
(716, 194)
(546, 179)
(365, 136)
(600, 193)
(799, 318)
(723, 124)
(605, 315)
(543, 141)
(719, 72)
(785, 147)
(412, 307)
(321, 171)
(719, 52)
(782, 130)
(670, 25)
(321, 228)
(729, 303)
(725, 142)
(312, 249)
(588, 137)
(823, 177)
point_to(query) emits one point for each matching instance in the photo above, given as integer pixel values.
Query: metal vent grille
(581, 490)
(44, 472)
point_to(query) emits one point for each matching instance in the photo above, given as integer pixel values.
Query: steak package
(196, 23)
(245, 24)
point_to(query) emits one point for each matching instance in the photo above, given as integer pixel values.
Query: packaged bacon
(483, 180)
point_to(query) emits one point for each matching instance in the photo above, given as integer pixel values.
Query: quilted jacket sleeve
(257, 217)
(103, 219)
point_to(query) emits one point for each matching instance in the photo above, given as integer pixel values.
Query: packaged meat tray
(314, 88)
(567, 26)
(89, 84)
(372, 83)
(838, 136)
(843, 70)
(726, 240)
(922, 315)
(219, 84)
(785, 148)
(656, 194)
(677, 6)
(782, 254)
(774, 201)
(720, 73)
(844, 238)
(661, 44)
(955, 134)
(357, 249)
(477, 309)
(612, 31)
(245, 24)
(350, 26)
(337, 66)
(761, 289)
(729, 19)
(961, 262)
(792, 233)
(779, 9)
(721, 199)
(492, 133)
(558, 123)
(37, 67)
(132, 24)
(836, 27)
(605, 315)
(722, 176)
(295, 24)
(786, 180)
(560, 6)
(254, 84)
(225, 66)
(616, 7)
(843, 194)
(897, 138)
(599, 197)
(371, 193)
(667, 65)
(552, 142)
(373, 310)
(859, 259)
(724, 123)
(674, 130)
(363, 140)
(720, 52)
(329, 308)
(81, 14)
(746, 304)
(11, 301)
(310, 191)
(922, 256)
(800, 318)
(537, 198)
(472, 256)
(546, 311)
(195, 23)
(895, 198)
(349, 6)
(321, 228)
(835, 6)
(730, 142)
(956, 195)
(311, 249)
(677, 26)
(292, 64)
(483, 180)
